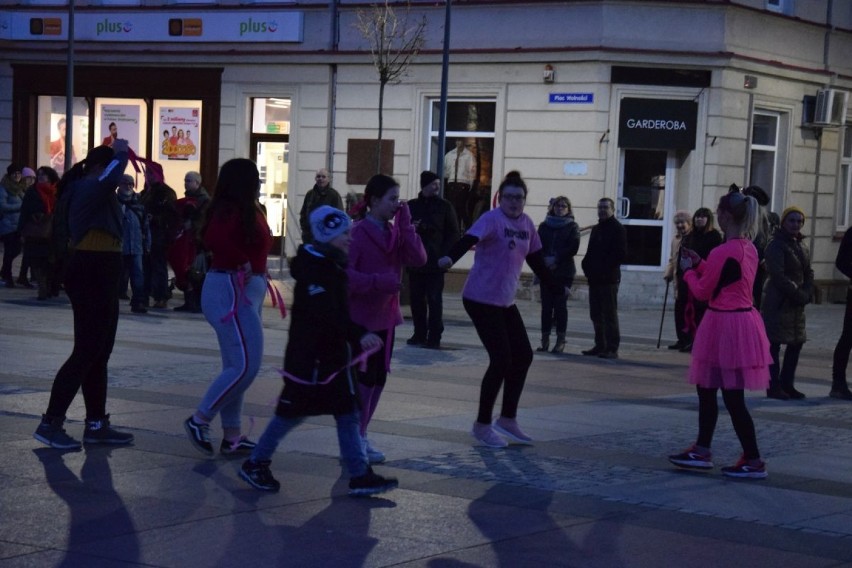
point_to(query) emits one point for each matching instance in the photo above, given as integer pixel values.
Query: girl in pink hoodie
(379, 251)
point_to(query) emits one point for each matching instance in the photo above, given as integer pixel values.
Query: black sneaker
(199, 435)
(692, 459)
(594, 351)
(51, 432)
(743, 470)
(100, 432)
(415, 340)
(258, 475)
(794, 394)
(777, 393)
(371, 484)
(242, 447)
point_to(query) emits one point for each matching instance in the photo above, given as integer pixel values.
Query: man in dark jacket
(839, 386)
(435, 221)
(321, 194)
(602, 266)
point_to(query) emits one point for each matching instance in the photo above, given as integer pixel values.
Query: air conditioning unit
(830, 107)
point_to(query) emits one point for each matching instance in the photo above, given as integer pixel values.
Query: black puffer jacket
(560, 239)
(321, 337)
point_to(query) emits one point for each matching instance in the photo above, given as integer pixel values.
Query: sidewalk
(594, 491)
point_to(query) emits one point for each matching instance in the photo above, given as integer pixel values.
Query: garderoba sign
(659, 124)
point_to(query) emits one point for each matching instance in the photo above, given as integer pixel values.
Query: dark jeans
(603, 310)
(784, 379)
(708, 413)
(681, 300)
(92, 285)
(157, 275)
(427, 304)
(11, 250)
(510, 355)
(841, 351)
(553, 307)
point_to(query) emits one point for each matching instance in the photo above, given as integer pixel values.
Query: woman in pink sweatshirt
(379, 251)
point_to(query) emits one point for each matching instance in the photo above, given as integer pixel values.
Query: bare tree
(394, 43)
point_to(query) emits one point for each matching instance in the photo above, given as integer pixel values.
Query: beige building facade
(659, 105)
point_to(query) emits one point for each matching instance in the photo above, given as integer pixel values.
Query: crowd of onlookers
(159, 231)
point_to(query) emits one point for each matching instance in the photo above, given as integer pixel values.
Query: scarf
(557, 222)
(47, 193)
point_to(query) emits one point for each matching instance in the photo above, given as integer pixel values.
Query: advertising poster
(179, 133)
(57, 154)
(120, 121)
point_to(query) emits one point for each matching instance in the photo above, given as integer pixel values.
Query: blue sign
(572, 98)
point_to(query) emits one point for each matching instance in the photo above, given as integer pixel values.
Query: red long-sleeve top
(226, 240)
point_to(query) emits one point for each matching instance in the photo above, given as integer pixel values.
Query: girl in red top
(237, 235)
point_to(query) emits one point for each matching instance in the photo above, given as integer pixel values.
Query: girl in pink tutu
(731, 351)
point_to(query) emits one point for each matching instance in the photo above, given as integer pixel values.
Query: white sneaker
(509, 428)
(486, 435)
(374, 456)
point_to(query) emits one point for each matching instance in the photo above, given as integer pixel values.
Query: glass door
(644, 199)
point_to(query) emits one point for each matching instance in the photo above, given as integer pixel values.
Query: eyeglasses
(514, 197)
(560, 206)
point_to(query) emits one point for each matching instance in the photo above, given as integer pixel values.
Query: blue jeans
(348, 436)
(132, 271)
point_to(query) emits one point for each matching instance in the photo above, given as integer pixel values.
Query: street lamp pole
(69, 93)
(445, 64)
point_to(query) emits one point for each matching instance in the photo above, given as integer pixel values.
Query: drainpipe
(332, 95)
(69, 89)
(818, 133)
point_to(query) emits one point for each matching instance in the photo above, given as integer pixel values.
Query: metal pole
(69, 89)
(442, 127)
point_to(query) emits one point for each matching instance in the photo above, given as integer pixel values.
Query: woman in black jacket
(560, 240)
(702, 239)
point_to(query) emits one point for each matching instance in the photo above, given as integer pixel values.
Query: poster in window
(179, 133)
(120, 121)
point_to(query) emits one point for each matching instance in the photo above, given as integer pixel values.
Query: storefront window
(178, 139)
(122, 118)
(469, 155)
(52, 126)
(270, 116)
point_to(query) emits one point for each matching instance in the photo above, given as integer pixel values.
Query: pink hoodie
(376, 258)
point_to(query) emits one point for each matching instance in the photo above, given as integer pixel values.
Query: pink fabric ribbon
(275, 295)
(360, 361)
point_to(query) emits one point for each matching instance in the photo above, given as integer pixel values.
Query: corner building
(659, 105)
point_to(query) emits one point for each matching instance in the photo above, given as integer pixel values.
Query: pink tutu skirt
(730, 351)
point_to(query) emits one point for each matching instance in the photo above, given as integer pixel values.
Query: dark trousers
(553, 308)
(708, 414)
(681, 300)
(92, 285)
(11, 249)
(841, 351)
(157, 274)
(510, 355)
(603, 310)
(784, 379)
(427, 305)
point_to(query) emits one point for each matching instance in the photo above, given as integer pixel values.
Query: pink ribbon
(360, 361)
(240, 280)
(275, 294)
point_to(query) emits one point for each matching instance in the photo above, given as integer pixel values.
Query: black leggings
(708, 413)
(92, 285)
(510, 355)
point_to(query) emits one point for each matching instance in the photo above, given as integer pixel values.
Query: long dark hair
(97, 156)
(236, 191)
(377, 187)
(50, 173)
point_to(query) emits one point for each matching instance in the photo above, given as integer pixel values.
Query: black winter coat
(789, 288)
(606, 252)
(561, 242)
(438, 226)
(321, 339)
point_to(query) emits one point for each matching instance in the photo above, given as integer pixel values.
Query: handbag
(38, 230)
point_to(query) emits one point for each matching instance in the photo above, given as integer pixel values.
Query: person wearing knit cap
(436, 222)
(788, 289)
(321, 343)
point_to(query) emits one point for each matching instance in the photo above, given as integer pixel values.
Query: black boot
(545, 343)
(560, 343)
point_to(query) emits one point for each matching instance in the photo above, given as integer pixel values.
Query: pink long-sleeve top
(735, 296)
(376, 257)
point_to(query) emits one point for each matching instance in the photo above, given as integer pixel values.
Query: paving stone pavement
(594, 490)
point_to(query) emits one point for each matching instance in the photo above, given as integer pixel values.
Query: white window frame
(844, 180)
(778, 149)
(780, 6)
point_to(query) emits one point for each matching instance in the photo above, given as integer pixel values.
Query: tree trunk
(379, 141)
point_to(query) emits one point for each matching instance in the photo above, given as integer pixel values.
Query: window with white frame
(468, 154)
(780, 6)
(767, 145)
(844, 182)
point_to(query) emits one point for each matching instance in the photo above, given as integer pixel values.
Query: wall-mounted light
(549, 73)
(750, 82)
